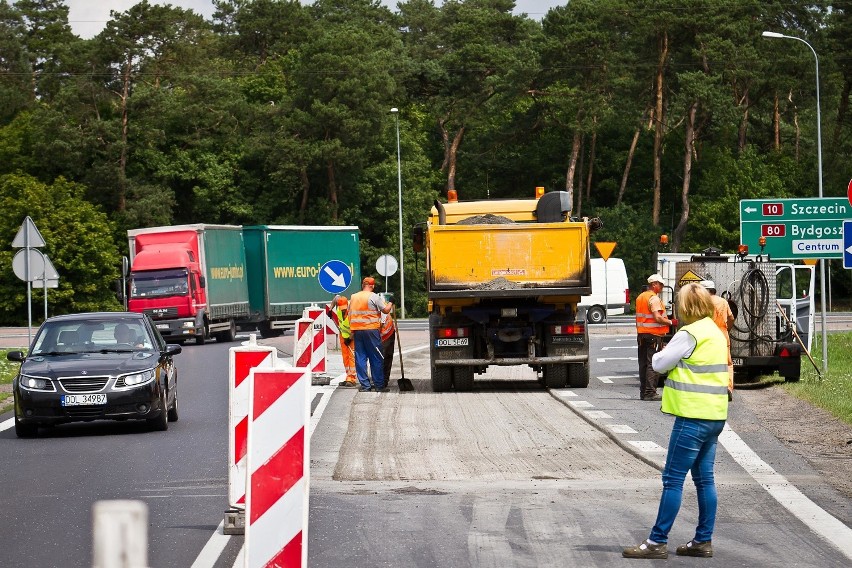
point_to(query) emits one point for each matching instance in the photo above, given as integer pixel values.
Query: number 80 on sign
(774, 230)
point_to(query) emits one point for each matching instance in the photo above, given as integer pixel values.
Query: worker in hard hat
(340, 313)
(651, 325)
(388, 335)
(724, 319)
(365, 309)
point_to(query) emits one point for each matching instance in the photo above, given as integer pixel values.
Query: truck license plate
(83, 399)
(462, 341)
(738, 361)
(162, 326)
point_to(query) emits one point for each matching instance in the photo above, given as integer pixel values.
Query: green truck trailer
(284, 263)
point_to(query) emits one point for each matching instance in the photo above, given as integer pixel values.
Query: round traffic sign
(849, 192)
(386, 265)
(19, 264)
(335, 276)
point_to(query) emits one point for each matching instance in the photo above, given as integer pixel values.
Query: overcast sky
(88, 17)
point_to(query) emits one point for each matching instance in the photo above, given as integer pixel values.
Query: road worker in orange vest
(365, 309)
(651, 325)
(339, 312)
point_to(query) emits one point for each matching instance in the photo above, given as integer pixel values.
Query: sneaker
(693, 548)
(348, 384)
(647, 550)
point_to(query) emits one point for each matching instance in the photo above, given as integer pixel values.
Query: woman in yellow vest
(696, 394)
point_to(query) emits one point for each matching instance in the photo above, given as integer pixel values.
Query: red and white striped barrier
(241, 360)
(278, 465)
(309, 347)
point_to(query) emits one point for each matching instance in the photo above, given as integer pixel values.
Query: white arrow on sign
(337, 279)
(750, 210)
(849, 250)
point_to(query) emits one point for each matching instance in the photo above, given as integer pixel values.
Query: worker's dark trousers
(387, 353)
(648, 377)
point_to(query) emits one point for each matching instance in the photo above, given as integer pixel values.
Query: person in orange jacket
(339, 312)
(388, 335)
(651, 325)
(724, 319)
(365, 309)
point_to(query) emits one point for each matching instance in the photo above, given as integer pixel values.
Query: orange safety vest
(361, 315)
(645, 322)
(387, 328)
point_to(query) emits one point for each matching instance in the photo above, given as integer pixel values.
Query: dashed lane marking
(606, 380)
(646, 446)
(581, 404)
(621, 429)
(600, 414)
(605, 359)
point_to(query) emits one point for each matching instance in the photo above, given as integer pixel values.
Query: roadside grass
(834, 391)
(8, 370)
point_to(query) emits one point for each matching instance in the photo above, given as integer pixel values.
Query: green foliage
(834, 391)
(79, 243)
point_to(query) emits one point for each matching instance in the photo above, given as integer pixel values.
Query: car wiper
(53, 353)
(115, 350)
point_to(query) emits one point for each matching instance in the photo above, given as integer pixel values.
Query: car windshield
(154, 283)
(86, 336)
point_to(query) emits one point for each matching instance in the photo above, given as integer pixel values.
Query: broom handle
(398, 344)
(802, 343)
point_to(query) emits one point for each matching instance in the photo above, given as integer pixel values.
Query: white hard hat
(655, 278)
(709, 284)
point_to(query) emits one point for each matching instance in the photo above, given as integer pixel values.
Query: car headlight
(36, 384)
(137, 379)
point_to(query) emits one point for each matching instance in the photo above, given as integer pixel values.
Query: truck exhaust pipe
(442, 215)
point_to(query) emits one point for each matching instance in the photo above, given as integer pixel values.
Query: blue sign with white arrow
(335, 276)
(847, 244)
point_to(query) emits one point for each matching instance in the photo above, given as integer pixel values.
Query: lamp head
(772, 34)
(394, 110)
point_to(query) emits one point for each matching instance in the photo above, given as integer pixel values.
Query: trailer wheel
(578, 375)
(227, 336)
(201, 338)
(595, 314)
(442, 378)
(463, 378)
(267, 332)
(555, 376)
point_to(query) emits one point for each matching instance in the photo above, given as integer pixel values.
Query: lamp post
(819, 168)
(395, 112)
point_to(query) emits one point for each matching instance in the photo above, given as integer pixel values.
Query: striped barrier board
(241, 360)
(310, 347)
(279, 468)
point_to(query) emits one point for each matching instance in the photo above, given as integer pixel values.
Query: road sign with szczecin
(797, 228)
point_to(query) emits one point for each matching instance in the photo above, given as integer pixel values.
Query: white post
(120, 534)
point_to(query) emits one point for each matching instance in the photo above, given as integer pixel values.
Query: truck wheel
(227, 336)
(267, 332)
(555, 376)
(578, 375)
(442, 378)
(463, 378)
(202, 337)
(595, 314)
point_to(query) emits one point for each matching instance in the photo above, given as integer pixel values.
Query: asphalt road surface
(508, 475)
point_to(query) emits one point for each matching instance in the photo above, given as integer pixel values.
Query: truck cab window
(156, 283)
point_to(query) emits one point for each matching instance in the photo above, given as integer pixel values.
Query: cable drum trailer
(762, 339)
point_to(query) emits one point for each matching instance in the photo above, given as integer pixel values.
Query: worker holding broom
(388, 335)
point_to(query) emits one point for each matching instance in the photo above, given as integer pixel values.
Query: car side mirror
(173, 349)
(17, 356)
(417, 239)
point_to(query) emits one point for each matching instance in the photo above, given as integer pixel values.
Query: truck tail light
(452, 332)
(570, 329)
(627, 295)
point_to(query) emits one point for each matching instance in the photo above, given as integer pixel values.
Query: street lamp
(819, 168)
(395, 112)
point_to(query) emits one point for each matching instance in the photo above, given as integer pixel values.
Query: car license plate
(451, 342)
(83, 399)
(738, 361)
(162, 326)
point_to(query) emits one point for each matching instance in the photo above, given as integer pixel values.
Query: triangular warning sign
(28, 235)
(605, 249)
(690, 276)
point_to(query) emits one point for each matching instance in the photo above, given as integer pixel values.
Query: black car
(95, 366)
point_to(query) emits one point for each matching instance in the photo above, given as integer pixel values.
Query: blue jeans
(368, 346)
(692, 447)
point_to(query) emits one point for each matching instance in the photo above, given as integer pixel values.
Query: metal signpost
(795, 229)
(386, 265)
(28, 238)
(605, 250)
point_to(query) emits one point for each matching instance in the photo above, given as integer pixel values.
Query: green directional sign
(798, 228)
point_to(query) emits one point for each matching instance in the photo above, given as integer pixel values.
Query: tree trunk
(842, 111)
(451, 150)
(658, 130)
(798, 130)
(306, 186)
(776, 125)
(332, 188)
(580, 187)
(743, 130)
(689, 143)
(591, 161)
(572, 167)
(626, 173)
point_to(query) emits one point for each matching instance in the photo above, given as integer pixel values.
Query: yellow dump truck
(504, 278)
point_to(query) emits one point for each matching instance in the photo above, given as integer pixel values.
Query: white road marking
(598, 414)
(601, 360)
(565, 393)
(817, 519)
(213, 549)
(6, 424)
(646, 446)
(618, 347)
(619, 377)
(581, 404)
(621, 429)
(606, 380)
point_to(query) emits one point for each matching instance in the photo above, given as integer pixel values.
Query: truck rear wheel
(201, 338)
(442, 378)
(229, 335)
(595, 314)
(463, 378)
(555, 376)
(578, 375)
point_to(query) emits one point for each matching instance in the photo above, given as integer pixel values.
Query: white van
(610, 291)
